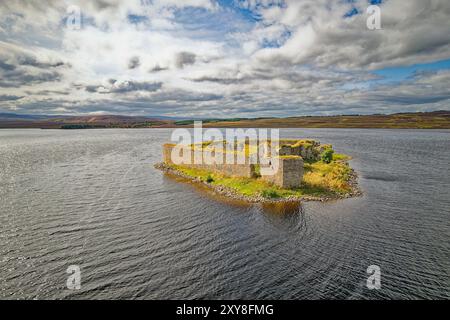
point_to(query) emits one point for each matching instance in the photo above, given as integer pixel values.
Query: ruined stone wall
(292, 172)
(245, 169)
(307, 149)
(167, 152)
(289, 173)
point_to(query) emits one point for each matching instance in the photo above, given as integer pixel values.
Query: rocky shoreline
(230, 193)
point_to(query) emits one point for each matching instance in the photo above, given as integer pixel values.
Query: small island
(305, 170)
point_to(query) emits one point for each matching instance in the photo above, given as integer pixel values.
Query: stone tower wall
(289, 174)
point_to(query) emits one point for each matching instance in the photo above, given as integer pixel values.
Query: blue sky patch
(398, 74)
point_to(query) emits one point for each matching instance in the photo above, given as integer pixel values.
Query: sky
(223, 58)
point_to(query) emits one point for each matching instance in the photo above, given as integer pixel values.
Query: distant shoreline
(420, 120)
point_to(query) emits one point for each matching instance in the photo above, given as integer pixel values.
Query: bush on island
(327, 155)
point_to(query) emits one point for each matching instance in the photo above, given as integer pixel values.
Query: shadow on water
(381, 176)
(283, 208)
(284, 215)
(204, 191)
(276, 209)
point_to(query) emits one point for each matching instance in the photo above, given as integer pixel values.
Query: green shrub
(209, 178)
(270, 193)
(327, 155)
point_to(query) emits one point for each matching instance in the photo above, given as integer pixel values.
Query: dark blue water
(92, 198)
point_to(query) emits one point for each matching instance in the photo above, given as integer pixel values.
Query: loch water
(92, 198)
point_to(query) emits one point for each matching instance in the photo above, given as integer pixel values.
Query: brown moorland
(419, 120)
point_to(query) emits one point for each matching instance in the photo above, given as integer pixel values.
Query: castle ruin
(286, 163)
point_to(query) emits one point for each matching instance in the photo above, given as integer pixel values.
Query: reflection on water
(275, 207)
(93, 198)
(205, 191)
(283, 208)
(285, 217)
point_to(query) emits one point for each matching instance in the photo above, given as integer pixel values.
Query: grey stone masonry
(289, 174)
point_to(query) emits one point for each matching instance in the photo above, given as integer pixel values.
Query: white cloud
(197, 58)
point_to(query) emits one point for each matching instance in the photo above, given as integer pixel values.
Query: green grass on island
(320, 180)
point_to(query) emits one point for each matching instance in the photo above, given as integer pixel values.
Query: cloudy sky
(223, 58)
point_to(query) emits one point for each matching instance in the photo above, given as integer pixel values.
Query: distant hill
(13, 116)
(79, 122)
(420, 120)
